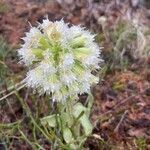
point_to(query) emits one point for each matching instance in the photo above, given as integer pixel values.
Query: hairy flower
(60, 59)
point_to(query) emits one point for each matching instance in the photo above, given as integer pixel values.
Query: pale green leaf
(67, 135)
(50, 120)
(84, 120)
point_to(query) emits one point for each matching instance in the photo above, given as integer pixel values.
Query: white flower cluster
(60, 59)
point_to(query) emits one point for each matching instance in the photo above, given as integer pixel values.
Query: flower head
(60, 59)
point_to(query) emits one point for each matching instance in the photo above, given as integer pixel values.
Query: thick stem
(69, 109)
(74, 129)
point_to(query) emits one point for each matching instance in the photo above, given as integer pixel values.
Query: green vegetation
(126, 42)
(3, 7)
(4, 51)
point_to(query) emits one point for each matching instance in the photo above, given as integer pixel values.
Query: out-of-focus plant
(127, 41)
(60, 59)
(133, 41)
(4, 50)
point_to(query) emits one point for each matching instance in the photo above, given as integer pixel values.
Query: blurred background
(121, 110)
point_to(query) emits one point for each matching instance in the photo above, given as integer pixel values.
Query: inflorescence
(60, 59)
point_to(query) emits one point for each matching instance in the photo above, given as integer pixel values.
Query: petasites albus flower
(60, 59)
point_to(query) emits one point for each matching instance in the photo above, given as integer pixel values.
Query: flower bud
(78, 42)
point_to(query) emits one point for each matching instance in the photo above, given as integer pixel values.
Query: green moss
(141, 144)
(3, 7)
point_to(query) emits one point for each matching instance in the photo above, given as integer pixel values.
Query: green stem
(26, 139)
(28, 112)
(60, 111)
(69, 108)
(10, 125)
(13, 92)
